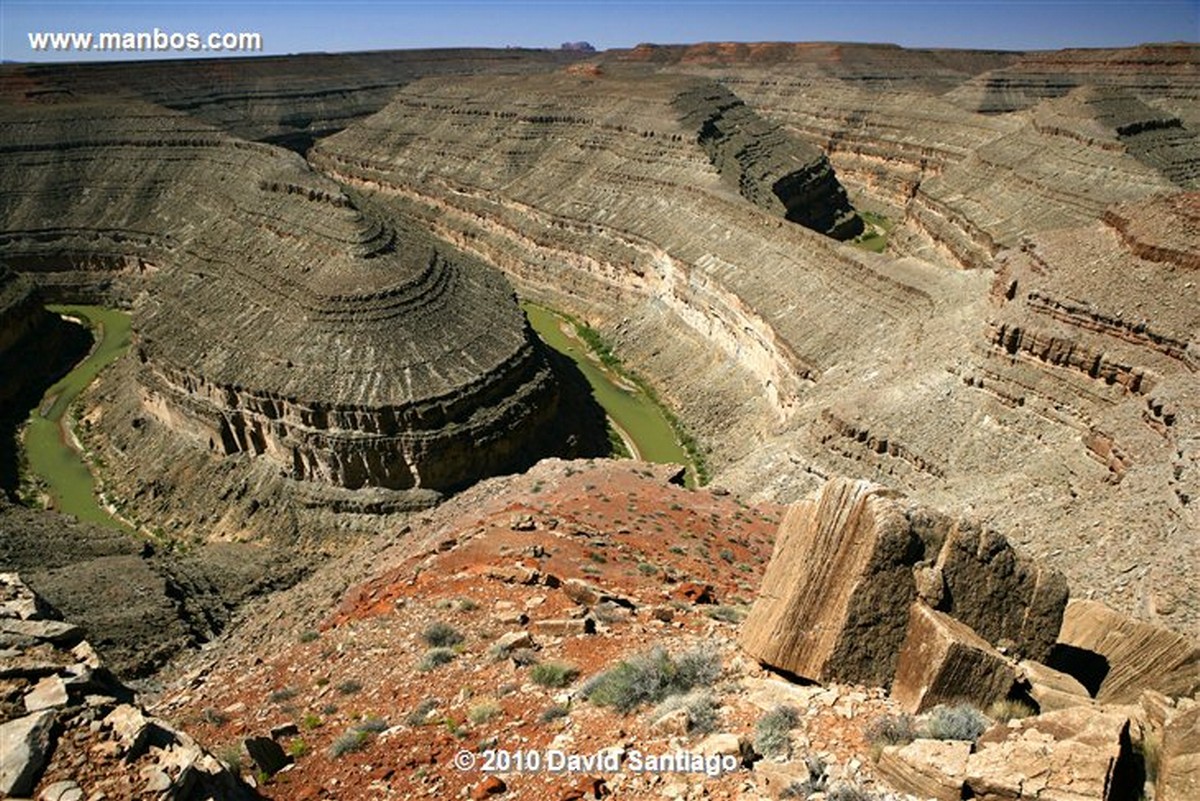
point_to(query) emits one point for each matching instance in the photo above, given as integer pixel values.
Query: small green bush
(351, 740)
(963, 722)
(298, 748)
(554, 712)
(771, 733)
(483, 712)
(309, 635)
(441, 635)
(420, 714)
(436, 657)
(371, 725)
(1009, 709)
(700, 706)
(349, 687)
(891, 730)
(554, 674)
(310, 721)
(650, 677)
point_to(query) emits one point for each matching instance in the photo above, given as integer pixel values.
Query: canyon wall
(274, 319)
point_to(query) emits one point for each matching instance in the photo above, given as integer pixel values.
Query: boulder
(1006, 598)
(1179, 761)
(842, 563)
(1127, 655)
(24, 747)
(1051, 689)
(943, 661)
(1077, 754)
(267, 754)
(927, 768)
(48, 693)
(848, 563)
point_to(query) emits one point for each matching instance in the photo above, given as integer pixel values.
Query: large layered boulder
(849, 563)
(1007, 599)
(843, 563)
(943, 661)
(1072, 755)
(1128, 655)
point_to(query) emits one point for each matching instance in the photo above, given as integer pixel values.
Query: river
(49, 448)
(635, 415)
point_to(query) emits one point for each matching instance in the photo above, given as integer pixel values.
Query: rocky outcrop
(1051, 689)
(927, 768)
(1072, 754)
(1135, 655)
(71, 706)
(1179, 759)
(849, 563)
(765, 165)
(842, 564)
(942, 661)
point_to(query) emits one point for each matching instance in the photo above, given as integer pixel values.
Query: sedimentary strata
(279, 321)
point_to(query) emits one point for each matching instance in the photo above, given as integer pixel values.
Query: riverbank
(648, 431)
(56, 471)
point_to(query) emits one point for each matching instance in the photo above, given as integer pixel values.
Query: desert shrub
(298, 748)
(349, 687)
(701, 709)
(371, 725)
(483, 712)
(441, 635)
(281, 695)
(436, 657)
(351, 740)
(890, 730)
(420, 714)
(231, 755)
(849, 792)
(554, 712)
(309, 635)
(467, 604)
(771, 733)
(962, 722)
(1009, 709)
(554, 674)
(651, 676)
(726, 614)
(310, 721)
(697, 668)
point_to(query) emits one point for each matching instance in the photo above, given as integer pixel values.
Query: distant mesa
(578, 47)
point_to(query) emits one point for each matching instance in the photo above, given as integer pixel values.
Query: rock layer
(281, 321)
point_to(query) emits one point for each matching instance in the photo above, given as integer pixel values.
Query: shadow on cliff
(42, 357)
(581, 425)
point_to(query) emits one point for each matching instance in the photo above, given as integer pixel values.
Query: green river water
(50, 456)
(66, 478)
(636, 414)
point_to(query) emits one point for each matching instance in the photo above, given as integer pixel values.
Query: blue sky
(289, 26)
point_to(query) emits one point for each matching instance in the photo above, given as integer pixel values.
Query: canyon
(322, 257)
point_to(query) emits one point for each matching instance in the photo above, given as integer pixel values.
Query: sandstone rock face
(1051, 689)
(1179, 766)
(842, 565)
(835, 598)
(1006, 599)
(927, 768)
(24, 743)
(1073, 754)
(942, 661)
(1139, 655)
